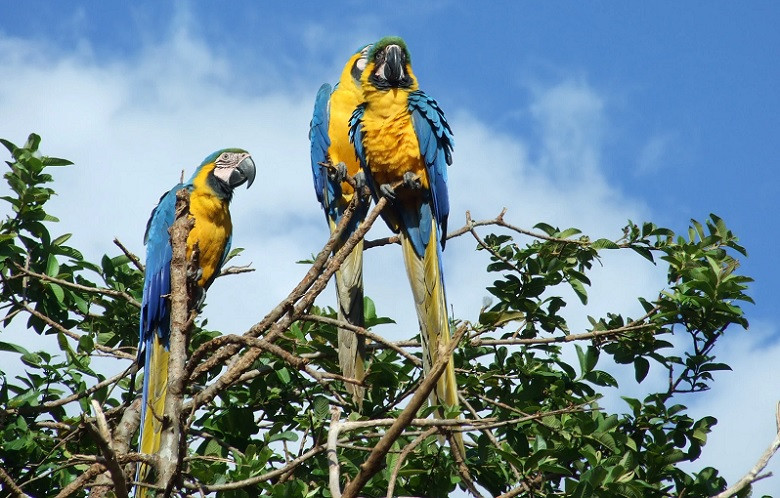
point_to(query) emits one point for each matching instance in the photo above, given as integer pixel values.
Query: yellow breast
(389, 141)
(342, 103)
(212, 229)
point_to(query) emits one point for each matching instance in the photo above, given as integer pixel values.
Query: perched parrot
(405, 145)
(211, 188)
(330, 145)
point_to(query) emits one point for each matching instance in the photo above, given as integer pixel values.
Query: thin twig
(405, 453)
(84, 288)
(103, 440)
(257, 479)
(58, 327)
(130, 255)
(362, 331)
(236, 270)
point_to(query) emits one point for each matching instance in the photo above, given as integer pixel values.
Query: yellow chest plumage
(389, 141)
(212, 229)
(343, 102)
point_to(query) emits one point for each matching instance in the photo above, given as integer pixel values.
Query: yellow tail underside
(349, 291)
(431, 304)
(428, 290)
(153, 411)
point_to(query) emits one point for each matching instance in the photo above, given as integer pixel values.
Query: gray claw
(361, 185)
(412, 181)
(338, 172)
(196, 275)
(387, 191)
(360, 180)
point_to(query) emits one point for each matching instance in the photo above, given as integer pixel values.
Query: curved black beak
(244, 172)
(394, 65)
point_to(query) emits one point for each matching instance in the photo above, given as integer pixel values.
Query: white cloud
(131, 126)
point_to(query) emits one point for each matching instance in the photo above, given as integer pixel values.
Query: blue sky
(578, 114)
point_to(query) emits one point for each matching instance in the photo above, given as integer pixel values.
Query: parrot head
(228, 169)
(389, 64)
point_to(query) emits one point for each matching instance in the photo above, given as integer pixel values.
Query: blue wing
(320, 142)
(155, 312)
(356, 137)
(436, 142)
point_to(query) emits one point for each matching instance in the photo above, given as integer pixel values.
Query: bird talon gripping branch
(412, 181)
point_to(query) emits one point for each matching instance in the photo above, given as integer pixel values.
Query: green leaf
(579, 289)
(644, 252)
(58, 291)
(283, 436)
(52, 266)
(641, 367)
(12, 348)
(588, 358)
(86, 344)
(604, 244)
(568, 233)
(284, 375)
(61, 239)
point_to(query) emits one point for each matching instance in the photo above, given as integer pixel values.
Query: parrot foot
(388, 191)
(361, 185)
(360, 180)
(194, 275)
(412, 181)
(337, 172)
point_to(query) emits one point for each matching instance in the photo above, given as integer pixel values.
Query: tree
(265, 411)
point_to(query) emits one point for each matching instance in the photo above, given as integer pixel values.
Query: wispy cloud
(654, 155)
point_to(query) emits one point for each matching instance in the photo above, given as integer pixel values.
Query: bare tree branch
(334, 472)
(172, 441)
(103, 440)
(753, 475)
(276, 326)
(58, 327)
(10, 485)
(236, 270)
(123, 434)
(257, 479)
(362, 331)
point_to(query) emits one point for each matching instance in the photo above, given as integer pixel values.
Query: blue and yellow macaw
(332, 157)
(405, 145)
(211, 189)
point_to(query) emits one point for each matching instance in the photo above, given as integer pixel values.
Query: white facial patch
(224, 166)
